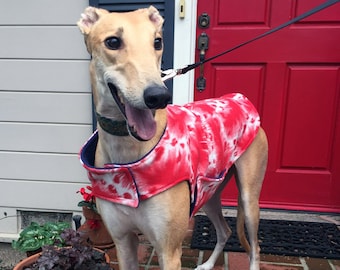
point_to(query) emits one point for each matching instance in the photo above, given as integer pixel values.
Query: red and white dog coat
(200, 143)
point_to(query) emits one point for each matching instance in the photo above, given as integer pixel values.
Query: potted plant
(72, 255)
(94, 228)
(35, 236)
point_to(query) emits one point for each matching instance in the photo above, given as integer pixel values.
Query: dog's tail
(240, 226)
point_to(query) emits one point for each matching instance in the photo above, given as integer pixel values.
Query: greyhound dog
(153, 165)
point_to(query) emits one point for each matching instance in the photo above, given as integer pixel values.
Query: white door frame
(184, 51)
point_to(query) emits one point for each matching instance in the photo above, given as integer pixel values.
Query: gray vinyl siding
(45, 107)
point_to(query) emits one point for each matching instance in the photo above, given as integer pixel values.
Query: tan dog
(130, 100)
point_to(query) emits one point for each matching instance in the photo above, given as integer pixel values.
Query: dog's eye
(158, 44)
(113, 43)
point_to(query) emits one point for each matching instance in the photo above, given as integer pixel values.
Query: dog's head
(126, 50)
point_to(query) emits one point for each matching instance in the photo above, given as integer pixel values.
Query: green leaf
(35, 236)
(85, 203)
(30, 245)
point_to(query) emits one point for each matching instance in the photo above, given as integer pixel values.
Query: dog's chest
(201, 142)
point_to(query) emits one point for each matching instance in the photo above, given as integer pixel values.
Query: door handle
(202, 46)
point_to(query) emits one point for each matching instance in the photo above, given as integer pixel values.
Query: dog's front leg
(165, 224)
(170, 258)
(119, 220)
(213, 209)
(127, 251)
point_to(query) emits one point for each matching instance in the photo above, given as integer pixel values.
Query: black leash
(172, 73)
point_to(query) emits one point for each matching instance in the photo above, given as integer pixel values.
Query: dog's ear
(90, 16)
(155, 17)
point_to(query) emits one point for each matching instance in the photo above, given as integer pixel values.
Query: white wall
(45, 107)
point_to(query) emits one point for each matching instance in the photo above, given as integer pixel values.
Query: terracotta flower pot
(32, 259)
(27, 261)
(95, 231)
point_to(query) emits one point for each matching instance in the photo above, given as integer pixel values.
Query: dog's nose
(156, 97)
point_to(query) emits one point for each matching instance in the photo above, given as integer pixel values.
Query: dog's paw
(205, 266)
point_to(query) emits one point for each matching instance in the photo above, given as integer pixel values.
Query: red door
(293, 78)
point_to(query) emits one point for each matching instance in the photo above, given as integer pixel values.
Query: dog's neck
(116, 145)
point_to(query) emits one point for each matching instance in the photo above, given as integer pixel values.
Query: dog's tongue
(142, 121)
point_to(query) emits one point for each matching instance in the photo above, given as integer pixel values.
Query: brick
(281, 259)
(189, 262)
(280, 267)
(336, 263)
(238, 261)
(144, 253)
(317, 264)
(188, 252)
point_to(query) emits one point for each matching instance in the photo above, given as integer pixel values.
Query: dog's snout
(157, 97)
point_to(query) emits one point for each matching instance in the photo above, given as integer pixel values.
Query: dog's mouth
(140, 122)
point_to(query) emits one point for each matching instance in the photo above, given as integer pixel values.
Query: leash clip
(169, 74)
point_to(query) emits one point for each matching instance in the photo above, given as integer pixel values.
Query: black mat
(277, 237)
